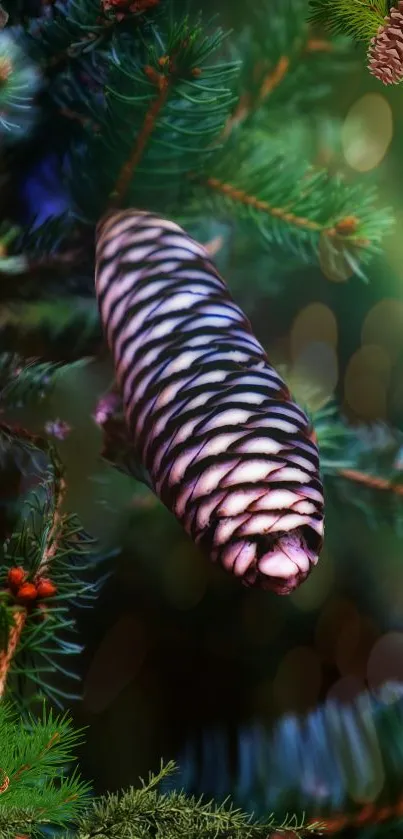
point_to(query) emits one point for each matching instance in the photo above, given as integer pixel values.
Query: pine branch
(47, 261)
(303, 209)
(34, 790)
(163, 85)
(18, 619)
(72, 29)
(145, 813)
(371, 481)
(68, 329)
(155, 97)
(43, 574)
(357, 18)
(25, 381)
(363, 464)
(77, 27)
(284, 64)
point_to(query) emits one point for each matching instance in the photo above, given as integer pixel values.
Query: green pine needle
(34, 755)
(171, 135)
(357, 18)
(49, 543)
(284, 66)
(19, 84)
(23, 383)
(146, 814)
(296, 207)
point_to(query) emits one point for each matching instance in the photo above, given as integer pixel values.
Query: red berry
(16, 577)
(45, 588)
(27, 593)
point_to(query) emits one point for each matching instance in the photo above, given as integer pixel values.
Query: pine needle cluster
(35, 790)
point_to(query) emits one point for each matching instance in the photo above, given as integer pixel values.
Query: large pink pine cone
(213, 423)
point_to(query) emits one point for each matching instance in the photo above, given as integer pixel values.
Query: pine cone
(385, 53)
(213, 423)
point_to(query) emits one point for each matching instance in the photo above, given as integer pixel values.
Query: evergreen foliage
(147, 814)
(45, 542)
(154, 107)
(20, 81)
(20, 384)
(34, 789)
(358, 18)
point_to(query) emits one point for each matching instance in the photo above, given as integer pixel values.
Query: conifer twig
(270, 80)
(345, 225)
(371, 481)
(19, 614)
(357, 18)
(162, 83)
(55, 527)
(7, 655)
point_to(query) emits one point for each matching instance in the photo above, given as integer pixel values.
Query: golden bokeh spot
(383, 325)
(346, 689)
(385, 663)
(315, 322)
(354, 645)
(298, 680)
(317, 363)
(366, 382)
(367, 132)
(332, 259)
(335, 615)
(115, 663)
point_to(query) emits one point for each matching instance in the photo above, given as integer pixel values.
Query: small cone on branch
(385, 53)
(27, 593)
(45, 588)
(16, 577)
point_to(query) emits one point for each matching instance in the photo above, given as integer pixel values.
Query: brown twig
(6, 656)
(86, 122)
(370, 814)
(270, 80)
(162, 83)
(27, 766)
(5, 781)
(251, 201)
(55, 528)
(371, 481)
(344, 227)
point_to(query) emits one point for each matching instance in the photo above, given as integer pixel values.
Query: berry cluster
(26, 592)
